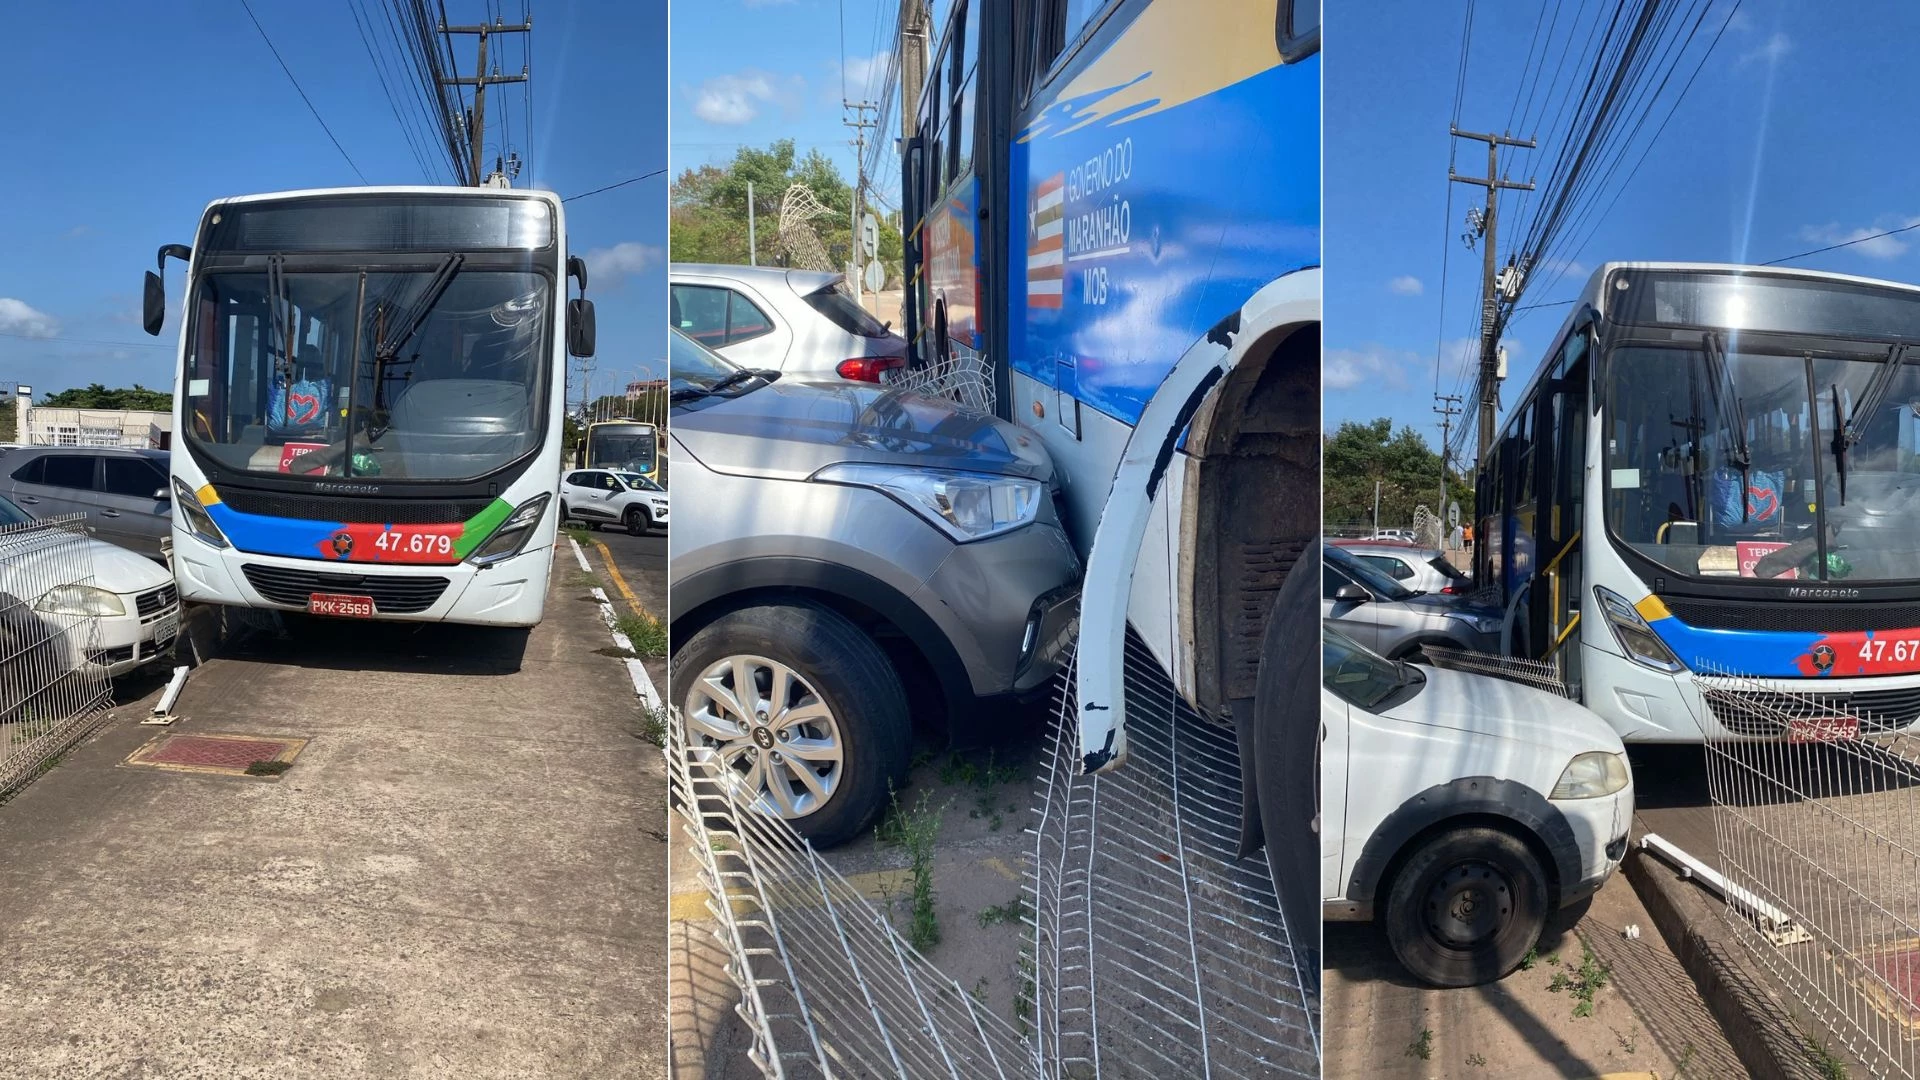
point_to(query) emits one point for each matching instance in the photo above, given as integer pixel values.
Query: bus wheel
(1286, 748)
(1466, 907)
(805, 711)
(638, 522)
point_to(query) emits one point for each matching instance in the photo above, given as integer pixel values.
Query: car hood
(1484, 705)
(33, 560)
(791, 430)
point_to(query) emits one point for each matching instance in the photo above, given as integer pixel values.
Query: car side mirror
(160, 495)
(1351, 594)
(581, 329)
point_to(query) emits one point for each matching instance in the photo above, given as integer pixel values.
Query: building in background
(132, 428)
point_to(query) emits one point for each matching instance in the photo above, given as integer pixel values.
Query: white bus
(369, 401)
(1720, 464)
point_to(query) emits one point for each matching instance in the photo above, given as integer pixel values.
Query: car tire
(564, 514)
(1286, 757)
(638, 522)
(848, 673)
(1424, 918)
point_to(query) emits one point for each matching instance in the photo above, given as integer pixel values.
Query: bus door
(1560, 480)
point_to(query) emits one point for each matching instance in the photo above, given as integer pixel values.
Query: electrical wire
(620, 184)
(303, 94)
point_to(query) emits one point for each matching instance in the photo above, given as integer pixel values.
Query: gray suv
(122, 493)
(861, 557)
(1395, 621)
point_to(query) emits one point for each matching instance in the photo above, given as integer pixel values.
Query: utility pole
(860, 125)
(1488, 233)
(753, 251)
(914, 35)
(477, 126)
(1448, 408)
(1376, 509)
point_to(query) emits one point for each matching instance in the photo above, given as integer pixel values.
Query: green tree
(1358, 455)
(707, 215)
(97, 396)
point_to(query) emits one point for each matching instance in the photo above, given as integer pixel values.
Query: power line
(1842, 244)
(610, 187)
(89, 341)
(302, 93)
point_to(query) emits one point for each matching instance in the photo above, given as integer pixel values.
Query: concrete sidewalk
(464, 873)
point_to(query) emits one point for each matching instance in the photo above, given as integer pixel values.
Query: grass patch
(580, 579)
(1582, 982)
(648, 634)
(1422, 1046)
(653, 726)
(268, 768)
(1013, 911)
(1532, 958)
(915, 830)
(1828, 1064)
(578, 533)
(958, 769)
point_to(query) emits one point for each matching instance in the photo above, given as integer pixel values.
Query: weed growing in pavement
(1830, 1066)
(1422, 1046)
(648, 634)
(1476, 1060)
(653, 725)
(1013, 911)
(1629, 1040)
(1532, 958)
(915, 830)
(268, 768)
(1686, 1060)
(583, 580)
(1583, 982)
(979, 991)
(578, 532)
(959, 770)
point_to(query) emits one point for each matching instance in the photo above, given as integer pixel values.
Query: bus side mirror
(580, 327)
(153, 306)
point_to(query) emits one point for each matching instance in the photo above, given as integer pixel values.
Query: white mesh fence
(1817, 824)
(52, 694)
(1539, 674)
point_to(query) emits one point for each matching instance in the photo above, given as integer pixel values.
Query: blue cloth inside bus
(1765, 500)
(298, 406)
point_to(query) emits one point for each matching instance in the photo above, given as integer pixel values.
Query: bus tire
(847, 672)
(639, 522)
(1466, 907)
(1286, 755)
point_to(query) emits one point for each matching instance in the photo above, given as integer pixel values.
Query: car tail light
(868, 368)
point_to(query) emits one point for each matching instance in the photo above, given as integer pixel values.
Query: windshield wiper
(1725, 393)
(388, 349)
(1847, 433)
(283, 368)
(725, 382)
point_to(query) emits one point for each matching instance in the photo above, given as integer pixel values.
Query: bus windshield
(434, 373)
(628, 447)
(1731, 475)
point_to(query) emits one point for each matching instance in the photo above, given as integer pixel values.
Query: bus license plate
(349, 607)
(1823, 729)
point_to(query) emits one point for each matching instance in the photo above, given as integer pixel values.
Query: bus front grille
(1799, 616)
(1760, 712)
(355, 509)
(392, 594)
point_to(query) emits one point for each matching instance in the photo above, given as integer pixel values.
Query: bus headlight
(511, 536)
(84, 600)
(966, 506)
(1591, 775)
(198, 521)
(1641, 644)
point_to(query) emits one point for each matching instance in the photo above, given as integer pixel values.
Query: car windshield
(638, 482)
(838, 305)
(434, 374)
(1362, 677)
(11, 514)
(1728, 474)
(1447, 569)
(1374, 579)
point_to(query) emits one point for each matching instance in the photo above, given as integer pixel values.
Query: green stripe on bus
(480, 526)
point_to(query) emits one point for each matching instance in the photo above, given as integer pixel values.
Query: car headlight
(1484, 624)
(83, 600)
(198, 521)
(512, 535)
(1636, 638)
(966, 506)
(1591, 775)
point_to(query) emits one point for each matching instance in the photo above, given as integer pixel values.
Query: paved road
(642, 561)
(462, 874)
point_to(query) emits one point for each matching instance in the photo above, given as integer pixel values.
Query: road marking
(620, 582)
(637, 671)
(580, 555)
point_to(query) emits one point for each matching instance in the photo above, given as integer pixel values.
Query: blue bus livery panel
(1171, 178)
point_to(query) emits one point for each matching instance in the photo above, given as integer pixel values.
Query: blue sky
(124, 122)
(747, 72)
(1789, 140)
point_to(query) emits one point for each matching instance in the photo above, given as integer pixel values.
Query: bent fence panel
(51, 693)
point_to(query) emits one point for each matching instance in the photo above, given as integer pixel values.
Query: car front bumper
(1011, 604)
(1600, 829)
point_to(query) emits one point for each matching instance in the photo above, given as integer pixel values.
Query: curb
(636, 670)
(1760, 1029)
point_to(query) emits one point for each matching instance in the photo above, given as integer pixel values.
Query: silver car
(121, 493)
(864, 560)
(1422, 569)
(796, 322)
(1393, 620)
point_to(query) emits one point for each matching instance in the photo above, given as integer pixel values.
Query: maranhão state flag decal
(1046, 243)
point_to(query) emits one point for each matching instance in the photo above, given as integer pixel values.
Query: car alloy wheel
(774, 733)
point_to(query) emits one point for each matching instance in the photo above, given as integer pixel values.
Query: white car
(1459, 811)
(803, 323)
(1421, 569)
(127, 614)
(612, 497)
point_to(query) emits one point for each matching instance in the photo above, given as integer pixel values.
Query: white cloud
(1406, 285)
(629, 257)
(1770, 51)
(1879, 247)
(864, 75)
(1374, 366)
(18, 318)
(738, 98)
